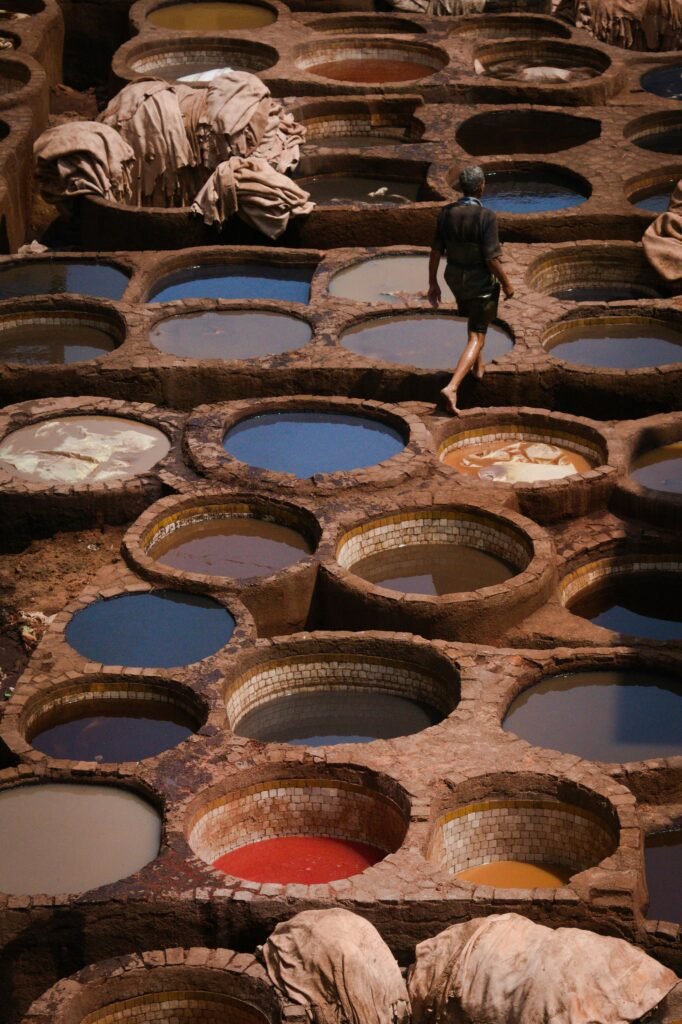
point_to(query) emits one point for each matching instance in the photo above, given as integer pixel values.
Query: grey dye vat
(65, 838)
(329, 717)
(230, 334)
(625, 345)
(31, 343)
(663, 863)
(396, 280)
(428, 341)
(48, 277)
(660, 469)
(240, 548)
(433, 569)
(354, 189)
(614, 715)
(646, 604)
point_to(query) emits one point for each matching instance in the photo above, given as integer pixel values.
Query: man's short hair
(470, 180)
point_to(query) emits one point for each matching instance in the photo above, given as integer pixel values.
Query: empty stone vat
(525, 131)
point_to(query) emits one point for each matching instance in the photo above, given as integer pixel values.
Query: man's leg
(471, 357)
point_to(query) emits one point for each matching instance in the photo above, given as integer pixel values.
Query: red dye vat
(306, 859)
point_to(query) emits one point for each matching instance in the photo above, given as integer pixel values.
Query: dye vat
(666, 81)
(538, 73)
(429, 341)
(517, 874)
(372, 70)
(613, 715)
(240, 548)
(646, 604)
(230, 334)
(161, 629)
(308, 443)
(516, 462)
(307, 860)
(654, 201)
(525, 131)
(99, 280)
(360, 141)
(211, 17)
(394, 280)
(59, 340)
(533, 191)
(112, 730)
(288, 283)
(660, 468)
(82, 449)
(327, 717)
(433, 569)
(65, 838)
(359, 190)
(663, 862)
(624, 345)
(668, 140)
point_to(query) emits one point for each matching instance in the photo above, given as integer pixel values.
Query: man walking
(467, 234)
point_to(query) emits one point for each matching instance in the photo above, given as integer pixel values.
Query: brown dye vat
(371, 70)
(341, 189)
(83, 448)
(539, 74)
(433, 569)
(39, 344)
(517, 874)
(663, 860)
(211, 17)
(516, 461)
(240, 548)
(660, 469)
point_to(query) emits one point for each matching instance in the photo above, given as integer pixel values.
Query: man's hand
(508, 291)
(434, 296)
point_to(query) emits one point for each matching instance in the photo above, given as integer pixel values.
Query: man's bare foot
(450, 398)
(479, 368)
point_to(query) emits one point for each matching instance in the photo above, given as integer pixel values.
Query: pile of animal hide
(222, 150)
(631, 24)
(662, 240)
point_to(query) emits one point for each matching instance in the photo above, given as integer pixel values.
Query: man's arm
(495, 267)
(434, 295)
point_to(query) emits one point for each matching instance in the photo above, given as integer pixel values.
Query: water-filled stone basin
(602, 714)
(230, 334)
(659, 468)
(394, 280)
(543, 62)
(47, 277)
(665, 81)
(82, 449)
(307, 860)
(64, 838)
(372, 61)
(40, 341)
(656, 200)
(665, 138)
(434, 569)
(512, 460)
(283, 281)
(194, 59)
(161, 629)
(534, 190)
(663, 862)
(636, 603)
(428, 341)
(307, 443)
(211, 16)
(625, 343)
(346, 189)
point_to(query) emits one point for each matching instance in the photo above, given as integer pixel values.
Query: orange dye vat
(305, 859)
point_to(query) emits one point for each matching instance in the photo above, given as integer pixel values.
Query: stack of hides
(663, 240)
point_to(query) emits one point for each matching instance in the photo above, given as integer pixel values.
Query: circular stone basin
(51, 276)
(504, 26)
(340, 189)
(287, 282)
(307, 443)
(664, 140)
(211, 17)
(76, 449)
(525, 131)
(40, 341)
(541, 190)
(376, 71)
(371, 61)
(637, 603)
(387, 279)
(666, 81)
(428, 341)
(614, 715)
(520, 843)
(511, 460)
(616, 342)
(113, 724)
(161, 629)
(65, 838)
(656, 200)
(554, 71)
(178, 1006)
(236, 546)
(660, 468)
(663, 863)
(196, 61)
(298, 830)
(230, 334)
(359, 141)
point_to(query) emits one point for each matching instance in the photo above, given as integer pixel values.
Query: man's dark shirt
(467, 234)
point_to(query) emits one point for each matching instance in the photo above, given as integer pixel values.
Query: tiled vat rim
(367, 48)
(214, 508)
(69, 317)
(591, 450)
(435, 526)
(256, 59)
(578, 579)
(192, 1006)
(532, 830)
(582, 261)
(671, 315)
(329, 807)
(352, 673)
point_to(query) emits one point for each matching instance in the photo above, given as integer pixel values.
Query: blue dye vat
(162, 629)
(654, 202)
(539, 191)
(236, 281)
(307, 443)
(647, 604)
(666, 82)
(48, 277)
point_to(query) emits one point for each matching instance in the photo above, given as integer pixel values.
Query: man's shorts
(480, 310)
